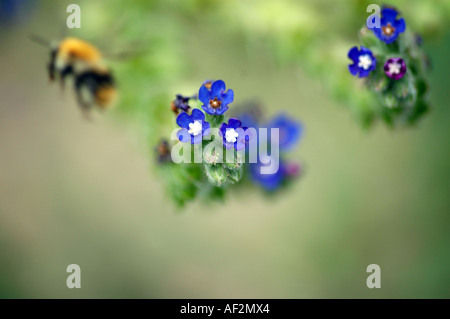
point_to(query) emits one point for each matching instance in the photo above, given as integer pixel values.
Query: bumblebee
(94, 83)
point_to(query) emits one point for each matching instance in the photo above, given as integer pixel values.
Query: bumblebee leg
(63, 75)
(51, 65)
(84, 105)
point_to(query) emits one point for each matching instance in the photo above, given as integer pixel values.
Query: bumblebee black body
(93, 81)
(99, 86)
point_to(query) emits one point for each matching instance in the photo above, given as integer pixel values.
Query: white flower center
(195, 128)
(231, 135)
(365, 61)
(394, 68)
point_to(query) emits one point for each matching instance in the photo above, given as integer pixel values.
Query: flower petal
(374, 64)
(183, 120)
(208, 109)
(206, 128)
(363, 73)
(239, 144)
(227, 145)
(249, 134)
(353, 54)
(221, 110)
(389, 14)
(390, 39)
(204, 94)
(227, 97)
(183, 135)
(196, 139)
(289, 131)
(378, 32)
(217, 88)
(234, 123)
(197, 115)
(400, 25)
(223, 129)
(353, 68)
(365, 50)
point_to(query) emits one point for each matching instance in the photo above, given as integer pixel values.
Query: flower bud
(216, 174)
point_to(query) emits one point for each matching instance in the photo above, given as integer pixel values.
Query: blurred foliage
(308, 33)
(76, 192)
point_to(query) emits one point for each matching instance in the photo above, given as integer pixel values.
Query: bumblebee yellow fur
(93, 82)
(73, 48)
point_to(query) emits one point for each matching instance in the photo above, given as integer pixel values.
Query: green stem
(214, 120)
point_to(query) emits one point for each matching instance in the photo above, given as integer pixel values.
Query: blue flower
(289, 131)
(180, 104)
(193, 127)
(269, 182)
(249, 113)
(390, 27)
(234, 135)
(363, 61)
(12, 11)
(216, 100)
(248, 120)
(272, 182)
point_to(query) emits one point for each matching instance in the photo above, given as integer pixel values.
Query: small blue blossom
(363, 61)
(390, 27)
(234, 135)
(289, 131)
(180, 104)
(269, 182)
(272, 182)
(193, 127)
(215, 100)
(12, 11)
(248, 120)
(249, 113)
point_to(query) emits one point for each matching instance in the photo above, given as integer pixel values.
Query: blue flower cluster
(364, 61)
(236, 133)
(215, 100)
(290, 133)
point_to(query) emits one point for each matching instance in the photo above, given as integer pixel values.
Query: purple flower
(234, 135)
(180, 104)
(216, 100)
(363, 61)
(395, 68)
(292, 169)
(390, 27)
(193, 127)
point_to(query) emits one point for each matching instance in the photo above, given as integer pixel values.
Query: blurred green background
(90, 194)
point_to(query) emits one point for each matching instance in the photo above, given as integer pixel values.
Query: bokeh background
(90, 193)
